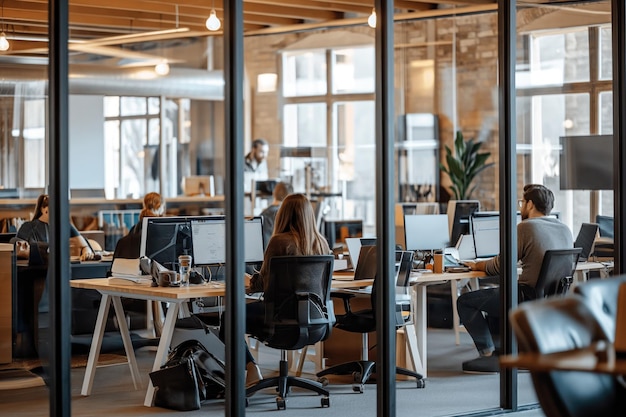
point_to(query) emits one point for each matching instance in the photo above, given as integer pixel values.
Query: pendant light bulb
(371, 21)
(162, 68)
(213, 23)
(4, 42)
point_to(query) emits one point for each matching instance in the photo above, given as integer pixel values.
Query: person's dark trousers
(484, 330)
(471, 306)
(255, 317)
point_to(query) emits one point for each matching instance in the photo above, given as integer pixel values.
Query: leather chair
(601, 296)
(298, 313)
(364, 321)
(561, 324)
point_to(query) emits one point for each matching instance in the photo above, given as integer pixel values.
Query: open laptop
(585, 239)
(354, 248)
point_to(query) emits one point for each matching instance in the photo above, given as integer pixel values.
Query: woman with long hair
(295, 234)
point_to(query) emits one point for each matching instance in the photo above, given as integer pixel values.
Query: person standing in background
(255, 162)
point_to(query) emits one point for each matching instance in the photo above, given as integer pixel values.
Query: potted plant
(464, 164)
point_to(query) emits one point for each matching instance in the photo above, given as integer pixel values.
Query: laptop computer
(354, 248)
(585, 239)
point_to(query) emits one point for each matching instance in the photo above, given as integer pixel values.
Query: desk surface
(174, 293)
(600, 358)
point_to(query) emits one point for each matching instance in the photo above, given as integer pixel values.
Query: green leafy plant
(464, 164)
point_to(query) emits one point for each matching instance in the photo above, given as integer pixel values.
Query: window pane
(112, 158)
(557, 59)
(542, 120)
(353, 70)
(304, 73)
(606, 54)
(606, 113)
(34, 143)
(354, 170)
(153, 105)
(305, 124)
(133, 106)
(111, 106)
(132, 157)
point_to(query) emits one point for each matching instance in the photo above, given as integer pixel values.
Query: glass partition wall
(445, 66)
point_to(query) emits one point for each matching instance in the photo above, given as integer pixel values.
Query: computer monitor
(209, 240)
(486, 233)
(585, 238)
(253, 240)
(459, 213)
(426, 231)
(199, 185)
(163, 239)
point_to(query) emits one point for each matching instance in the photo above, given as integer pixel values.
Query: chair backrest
(298, 309)
(557, 271)
(561, 324)
(601, 296)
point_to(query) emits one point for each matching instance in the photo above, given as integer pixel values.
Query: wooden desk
(112, 293)
(599, 358)
(419, 281)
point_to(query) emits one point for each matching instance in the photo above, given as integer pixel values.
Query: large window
(563, 90)
(329, 107)
(134, 164)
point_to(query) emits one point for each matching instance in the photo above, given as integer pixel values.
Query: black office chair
(364, 321)
(561, 324)
(557, 272)
(298, 313)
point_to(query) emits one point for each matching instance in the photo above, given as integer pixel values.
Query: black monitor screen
(459, 213)
(586, 162)
(164, 239)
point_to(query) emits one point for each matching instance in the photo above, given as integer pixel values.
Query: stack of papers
(127, 271)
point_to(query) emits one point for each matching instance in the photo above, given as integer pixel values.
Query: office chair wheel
(356, 377)
(358, 388)
(323, 380)
(421, 383)
(281, 403)
(325, 402)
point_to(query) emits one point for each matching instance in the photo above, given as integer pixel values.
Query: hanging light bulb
(371, 21)
(4, 42)
(162, 68)
(213, 23)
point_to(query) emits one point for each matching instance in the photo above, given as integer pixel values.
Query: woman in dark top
(38, 231)
(295, 234)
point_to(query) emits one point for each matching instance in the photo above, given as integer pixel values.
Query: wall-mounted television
(586, 162)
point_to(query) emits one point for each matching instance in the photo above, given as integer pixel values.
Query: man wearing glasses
(536, 234)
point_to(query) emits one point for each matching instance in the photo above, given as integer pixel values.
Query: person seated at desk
(36, 233)
(295, 234)
(281, 190)
(536, 234)
(128, 247)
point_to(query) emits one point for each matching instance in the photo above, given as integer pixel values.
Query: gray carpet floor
(448, 391)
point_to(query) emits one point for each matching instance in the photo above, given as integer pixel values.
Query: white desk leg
(421, 325)
(411, 341)
(162, 350)
(128, 344)
(96, 344)
(456, 322)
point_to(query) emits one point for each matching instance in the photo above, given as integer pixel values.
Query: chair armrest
(346, 299)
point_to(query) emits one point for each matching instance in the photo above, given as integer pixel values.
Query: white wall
(86, 141)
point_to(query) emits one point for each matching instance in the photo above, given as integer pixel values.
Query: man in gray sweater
(536, 234)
